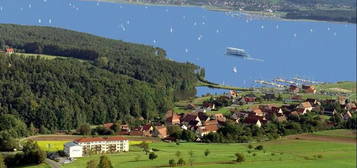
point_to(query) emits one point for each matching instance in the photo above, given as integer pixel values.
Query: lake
(321, 51)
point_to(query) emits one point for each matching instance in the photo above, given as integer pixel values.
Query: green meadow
(282, 153)
(344, 133)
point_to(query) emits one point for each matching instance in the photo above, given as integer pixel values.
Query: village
(201, 120)
(202, 123)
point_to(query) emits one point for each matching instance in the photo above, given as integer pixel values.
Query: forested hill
(118, 80)
(63, 93)
(141, 62)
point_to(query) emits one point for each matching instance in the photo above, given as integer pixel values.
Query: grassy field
(348, 86)
(283, 153)
(342, 87)
(48, 57)
(51, 146)
(338, 133)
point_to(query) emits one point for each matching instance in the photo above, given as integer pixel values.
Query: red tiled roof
(306, 105)
(108, 125)
(211, 122)
(210, 128)
(9, 50)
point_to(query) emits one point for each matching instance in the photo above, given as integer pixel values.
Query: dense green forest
(141, 62)
(62, 94)
(118, 80)
(331, 15)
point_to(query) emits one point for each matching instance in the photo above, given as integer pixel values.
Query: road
(52, 163)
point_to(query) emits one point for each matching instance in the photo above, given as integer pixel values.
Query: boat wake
(254, 59)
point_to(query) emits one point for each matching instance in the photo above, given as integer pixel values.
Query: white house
(73, 150)
(84, 146)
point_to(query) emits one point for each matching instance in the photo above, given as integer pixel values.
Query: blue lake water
(319, 51)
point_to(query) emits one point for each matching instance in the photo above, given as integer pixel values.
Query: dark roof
(188, 117)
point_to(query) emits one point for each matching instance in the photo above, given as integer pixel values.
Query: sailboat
(235, 69)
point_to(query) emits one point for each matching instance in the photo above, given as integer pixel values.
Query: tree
(2, 163)
(105, 162)
(32, 129)
(12, 126)
(102, 61)
(84, 129)
(190, 153)
(172, 162)
(207, 152)
(145, 146)
(239, 157)
(116, 127)
(152, 156)
(44, 130)
(188, 135)
(279, 98)
(178, 154)
(7, 143)
(174, 131)
(259, 147)
(92, 164)
(32, 153)
(181, 162)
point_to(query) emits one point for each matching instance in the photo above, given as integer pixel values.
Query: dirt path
(73, 137)
(322, 138)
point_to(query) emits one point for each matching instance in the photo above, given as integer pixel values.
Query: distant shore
(262, 14)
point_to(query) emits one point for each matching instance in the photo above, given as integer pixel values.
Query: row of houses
(264, 113)
(304, 89)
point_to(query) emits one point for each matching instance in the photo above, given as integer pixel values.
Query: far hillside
(58, 79)
(145, 63)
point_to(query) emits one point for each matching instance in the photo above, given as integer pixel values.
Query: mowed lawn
(283, 153)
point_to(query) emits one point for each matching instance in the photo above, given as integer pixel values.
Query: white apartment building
(96, 145)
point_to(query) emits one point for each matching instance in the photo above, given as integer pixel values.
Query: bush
(152, 156)
(254, 154)
(207, 152)
(155, 149)
(319, 156)
(259, 147)
(239, 157)
(172, 162)
(181, 162)
(250, 146)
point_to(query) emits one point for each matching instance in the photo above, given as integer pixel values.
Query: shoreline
(261, 14)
